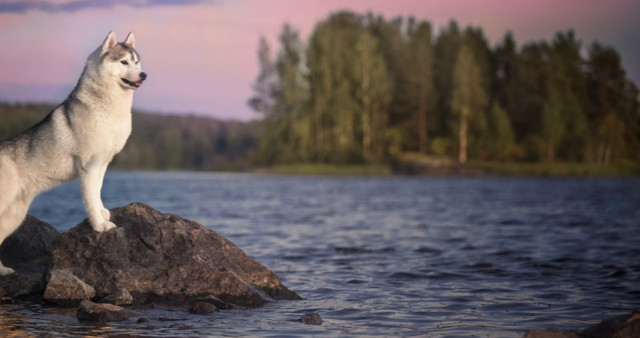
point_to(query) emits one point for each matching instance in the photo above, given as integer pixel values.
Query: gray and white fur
(77, 139)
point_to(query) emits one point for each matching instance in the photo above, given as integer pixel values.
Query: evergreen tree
(468, 98)
(613, 106)
(531, 94)
(262, 102)
(445, 51)
(375, 92)
(330, 56)
(553, 125)
(570, 82)
(500, 135)
(290, 94)
(401, 130)
(420, 79)
(506, 86)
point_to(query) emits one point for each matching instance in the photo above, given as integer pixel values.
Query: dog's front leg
(90, 182)
(105, 212)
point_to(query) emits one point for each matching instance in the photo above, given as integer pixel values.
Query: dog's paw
(4, 271)
(106, 214)
(105, 226)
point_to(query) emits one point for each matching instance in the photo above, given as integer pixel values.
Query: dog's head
(120, 62)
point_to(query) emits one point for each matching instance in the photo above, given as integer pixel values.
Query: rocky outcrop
(625, 326)
(150, 258)
(66, 289)
(164, 258)
(27, 251)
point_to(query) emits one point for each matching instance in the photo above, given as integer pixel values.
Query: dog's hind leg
(9, 187)
(10, 220)
(9, 190)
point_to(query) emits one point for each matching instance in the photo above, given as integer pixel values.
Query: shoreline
(474, 169)
(452, 169)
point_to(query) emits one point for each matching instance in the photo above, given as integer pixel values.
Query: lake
(398, 256)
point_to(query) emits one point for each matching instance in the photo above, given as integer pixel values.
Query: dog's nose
(143, 75)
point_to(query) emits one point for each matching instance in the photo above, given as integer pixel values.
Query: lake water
(387, 256)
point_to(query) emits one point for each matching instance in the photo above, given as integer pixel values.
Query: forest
(363, 89)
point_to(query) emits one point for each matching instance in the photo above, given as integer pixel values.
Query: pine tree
(468, 97)
(290, 94)
(421, 87)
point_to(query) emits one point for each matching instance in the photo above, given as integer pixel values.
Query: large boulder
(164, 258)
(27, 251)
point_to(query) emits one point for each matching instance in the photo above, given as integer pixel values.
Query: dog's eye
(124, 62)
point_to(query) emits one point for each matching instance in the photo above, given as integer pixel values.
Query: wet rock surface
(66, 289)
(94, 312)
(150, 258)
(166, 259)
(27, 251)
(202, 308)
(122, 297)
(311, 319)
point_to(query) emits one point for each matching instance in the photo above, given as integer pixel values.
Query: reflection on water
(388, 256)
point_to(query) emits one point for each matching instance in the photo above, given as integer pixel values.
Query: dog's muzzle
(135, 84)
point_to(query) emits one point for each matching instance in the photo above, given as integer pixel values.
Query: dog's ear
(130, 40)
(109, 42)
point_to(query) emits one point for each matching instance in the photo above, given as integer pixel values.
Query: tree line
(364, 89)
(160, 142)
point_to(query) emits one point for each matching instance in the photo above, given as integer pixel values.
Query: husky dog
(77, 139)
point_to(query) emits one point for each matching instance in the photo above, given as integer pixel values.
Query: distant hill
(161, 142)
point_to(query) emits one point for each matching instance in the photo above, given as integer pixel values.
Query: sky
(201, 55)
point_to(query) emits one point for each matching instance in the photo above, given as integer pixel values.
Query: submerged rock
(164, 258)
(93, 312)
(202, 308)
(66, 289)
(311, 319)
(27, 251)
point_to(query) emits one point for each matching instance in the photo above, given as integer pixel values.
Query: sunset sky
(201, 55)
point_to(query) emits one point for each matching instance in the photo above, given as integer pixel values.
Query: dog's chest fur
(104, 130)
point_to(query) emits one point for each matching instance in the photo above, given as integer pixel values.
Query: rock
(311, 319)
(625, 326)
(122, 297)
(3, 298)
(66, 289)
(551, 333)
(143, 320)
(202, 308)
(217, 303)
(27, 251)
(164, 258)
(31, 241)
(93, 312)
